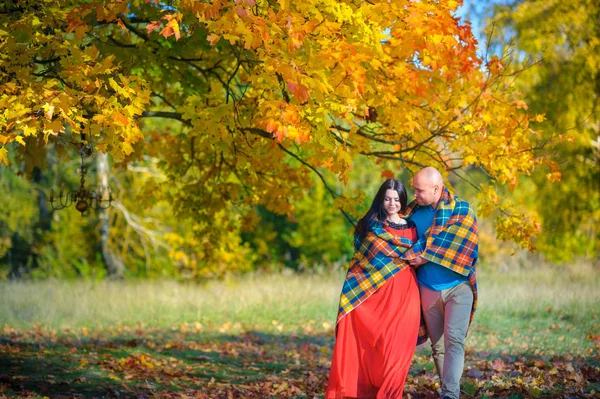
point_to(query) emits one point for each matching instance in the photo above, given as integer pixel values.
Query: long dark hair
(376, 210)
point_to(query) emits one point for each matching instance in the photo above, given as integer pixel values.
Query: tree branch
(134, 29)
(165, 114)
(48, 61)
(155, 94)
(329, 189)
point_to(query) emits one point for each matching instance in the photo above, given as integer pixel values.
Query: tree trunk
(45, 214)
(19, 256)
(22, 256)
(114, 264)
(44, 223)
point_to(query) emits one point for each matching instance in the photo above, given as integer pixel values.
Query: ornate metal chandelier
(84, 199)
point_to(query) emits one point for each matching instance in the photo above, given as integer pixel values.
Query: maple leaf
(554, 176)
(172, 28)
(4, 156)
(122, 26)
(299, 91)
(119, 117)
(152, 26)
(213, 39)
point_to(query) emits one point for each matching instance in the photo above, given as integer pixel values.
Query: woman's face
(391, 202)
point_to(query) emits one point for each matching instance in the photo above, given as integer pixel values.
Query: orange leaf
(119, 117)
(388, 174)
(80, 31)
(167, 31)
(172, 28)
(554, 176)
(213, 39)
(280, 133)
(299, 91)
(152, 26)
(122, 26)
(272, 126)
(498, 365)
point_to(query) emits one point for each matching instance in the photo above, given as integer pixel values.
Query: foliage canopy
(263, 95)
(565, 86)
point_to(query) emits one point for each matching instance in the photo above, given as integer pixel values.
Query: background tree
(565, 86)
(242, 103)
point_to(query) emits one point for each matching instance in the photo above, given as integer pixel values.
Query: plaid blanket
(377, 258)
(451, 241)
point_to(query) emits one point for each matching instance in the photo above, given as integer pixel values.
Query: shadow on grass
(172, 363)
(164, 363)
(47, 370)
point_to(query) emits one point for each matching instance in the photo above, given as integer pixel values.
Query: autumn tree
(244, 102)
(565, 86)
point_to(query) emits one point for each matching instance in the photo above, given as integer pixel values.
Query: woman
(378, 320)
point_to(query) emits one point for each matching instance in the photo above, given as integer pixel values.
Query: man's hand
(418, 261)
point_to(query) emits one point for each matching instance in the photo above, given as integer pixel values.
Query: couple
(410, 278)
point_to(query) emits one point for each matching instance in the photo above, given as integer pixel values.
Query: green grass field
(272, 335)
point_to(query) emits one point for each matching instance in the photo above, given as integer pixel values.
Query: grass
(542, 311)
(116, 338)
(267, 303)
(546, 310)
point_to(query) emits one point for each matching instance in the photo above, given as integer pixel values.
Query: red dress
(376, 341)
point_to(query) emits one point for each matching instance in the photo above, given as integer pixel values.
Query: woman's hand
(418, 261)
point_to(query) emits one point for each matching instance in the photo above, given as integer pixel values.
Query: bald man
(447, 296)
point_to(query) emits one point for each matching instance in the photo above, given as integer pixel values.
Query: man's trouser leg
(447, 314)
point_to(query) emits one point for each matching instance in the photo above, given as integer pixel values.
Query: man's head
(429, 185)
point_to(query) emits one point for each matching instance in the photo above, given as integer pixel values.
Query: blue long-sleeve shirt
(432, 275)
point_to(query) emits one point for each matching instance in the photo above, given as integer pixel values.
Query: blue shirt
(432, 275)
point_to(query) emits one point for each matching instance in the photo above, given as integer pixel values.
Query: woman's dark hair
(377, 210)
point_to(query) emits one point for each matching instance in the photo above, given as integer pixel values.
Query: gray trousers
(447, 314)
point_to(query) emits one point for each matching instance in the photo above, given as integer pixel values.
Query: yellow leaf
(102, 146)
(115, 86)
(452, 4)
(4, 156)
(48, 111)
(231, 38)
(469, 159)
(127, 148)
(437, 39)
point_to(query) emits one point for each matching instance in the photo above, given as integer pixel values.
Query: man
(444, 256)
